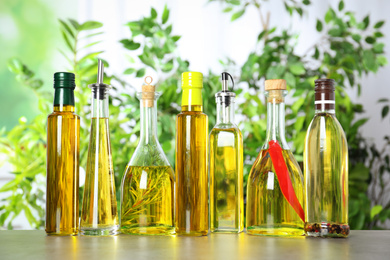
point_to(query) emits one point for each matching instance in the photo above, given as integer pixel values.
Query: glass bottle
(63, 133)
(192, 212)
(326, 168)
(275, 185)
(147, 191)
(99, 210)
(226, 166)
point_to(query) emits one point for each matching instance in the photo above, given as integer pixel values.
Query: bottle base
(192, 233)
(53, 234)
(226, 231)
(149, 231)
(110, 231)
(326, 229)
(281, 231)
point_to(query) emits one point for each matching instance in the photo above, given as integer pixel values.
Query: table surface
(34, 244)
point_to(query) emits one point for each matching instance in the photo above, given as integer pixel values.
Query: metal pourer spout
(225, 81)
(99, 89)
(100, 73)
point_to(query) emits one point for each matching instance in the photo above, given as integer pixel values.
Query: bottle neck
(324, 101)
(276, 123)
(225, 113)
(99, 103)
(63, 100)
(148, 122)
(192, 99)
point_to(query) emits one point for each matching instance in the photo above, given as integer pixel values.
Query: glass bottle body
(326, 177)
(226, 173)
(269, 213)
(62, 192)
(192, 216)
(99, 210)
(147, 190)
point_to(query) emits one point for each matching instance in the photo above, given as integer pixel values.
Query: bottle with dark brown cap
(326, 168)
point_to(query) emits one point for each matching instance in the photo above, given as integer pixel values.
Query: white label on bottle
(270, 181)
(144, 180)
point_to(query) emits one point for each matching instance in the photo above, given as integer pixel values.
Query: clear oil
(147, 200)
(226, 181)
(192, 211)
(62, 195)
(99, 214)
(326, 173)
(268, 212)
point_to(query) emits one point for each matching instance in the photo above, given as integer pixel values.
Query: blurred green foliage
(346, 50)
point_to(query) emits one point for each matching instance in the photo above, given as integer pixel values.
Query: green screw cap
(64, 80)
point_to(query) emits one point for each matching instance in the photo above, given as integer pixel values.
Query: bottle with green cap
(63, 134)
(192, 214)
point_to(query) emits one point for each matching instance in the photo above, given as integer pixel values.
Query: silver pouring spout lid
(226, 96)
(99, 85)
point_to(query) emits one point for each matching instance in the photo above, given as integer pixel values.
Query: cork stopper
(275, 84)
(148, 92)
(276, 89)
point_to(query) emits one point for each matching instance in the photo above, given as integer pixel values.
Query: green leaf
(369, 60)
(140, 73)
(67, 41)
(383, 100)
(385, 111)
(130, 44)
(319, 25)
(379, 24)
(67, 28)
(153, 13)
(329, 15)
(366, 22)
(375, 210)
(90, 25)
(290, 79)
(275, 72)
(378, 47)
(129, 71)
(165, 15)
(15, 66)
(234, 2)
(356, 37)
(378, 34)
(227, 9)
(175, 38)
(297, 68)
(306, 2)
(370, 40)
(237, 15)
(341, 5)
(74, 23)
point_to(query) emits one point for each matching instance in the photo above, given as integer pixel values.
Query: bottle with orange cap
(275, 192)
(147, 195)
(192, 214)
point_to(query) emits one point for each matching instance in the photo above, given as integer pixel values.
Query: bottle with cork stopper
(325, 160)
(147, 189)
(275, 192)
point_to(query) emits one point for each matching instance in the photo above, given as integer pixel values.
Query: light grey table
(36, 245)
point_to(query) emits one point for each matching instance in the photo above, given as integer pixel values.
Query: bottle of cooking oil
(63, 136)
(226, 166)
(147, 191)
(192, 211)
(275, 194)
(326, 168)
(99, 211)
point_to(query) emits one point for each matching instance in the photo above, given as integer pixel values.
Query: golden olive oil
(326, 169)
(192, 216)
(268, 212)
(99, 211)
(62, 194)
(226, 180)
(147, 200)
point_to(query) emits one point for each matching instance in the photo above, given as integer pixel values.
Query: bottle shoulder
(326, 122)
(66, 114)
